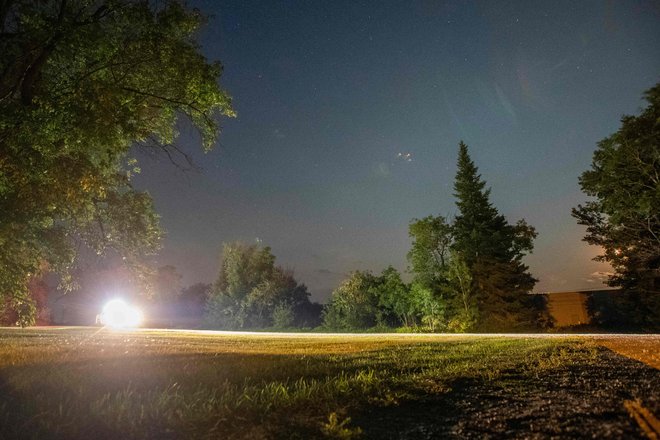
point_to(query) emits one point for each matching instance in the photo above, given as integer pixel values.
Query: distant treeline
(467, 275)
(467, 272)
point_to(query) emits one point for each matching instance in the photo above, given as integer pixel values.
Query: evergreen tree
(492, 249)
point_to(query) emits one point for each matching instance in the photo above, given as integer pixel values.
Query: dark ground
(579, 401)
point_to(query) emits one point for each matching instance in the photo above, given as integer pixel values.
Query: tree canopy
(252, 292)
(468, 273)
(429, 253)
(623, 215)
(81, 83)
(365, 300)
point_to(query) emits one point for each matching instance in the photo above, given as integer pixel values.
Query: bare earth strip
(645, 348)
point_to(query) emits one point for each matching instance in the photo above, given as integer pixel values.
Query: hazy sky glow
(350, 114)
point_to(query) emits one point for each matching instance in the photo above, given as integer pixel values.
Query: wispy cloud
(598, 276)
(382, 169)
(506, 104)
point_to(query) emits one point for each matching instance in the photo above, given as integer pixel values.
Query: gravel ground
(645, 349)
(578, 401)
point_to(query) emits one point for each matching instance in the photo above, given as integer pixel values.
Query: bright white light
(118, 314)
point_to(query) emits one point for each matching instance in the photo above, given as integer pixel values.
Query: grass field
(82, 383)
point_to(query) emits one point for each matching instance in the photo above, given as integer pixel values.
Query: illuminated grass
(81, 383)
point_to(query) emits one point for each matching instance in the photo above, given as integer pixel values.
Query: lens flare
(118, 314)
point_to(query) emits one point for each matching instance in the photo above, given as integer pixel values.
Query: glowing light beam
(118, 314)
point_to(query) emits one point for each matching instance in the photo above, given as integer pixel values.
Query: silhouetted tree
(192, 300)
(309, 315)
(38, 298)
(623, 217)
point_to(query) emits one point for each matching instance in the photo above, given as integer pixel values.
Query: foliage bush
(283, 316)
(252, 292)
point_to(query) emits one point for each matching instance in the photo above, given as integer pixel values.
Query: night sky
(350, 114)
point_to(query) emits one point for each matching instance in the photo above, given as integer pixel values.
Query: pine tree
(493, 250)
(479, 230)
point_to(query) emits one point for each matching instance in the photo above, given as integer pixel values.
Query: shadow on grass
(173, 395)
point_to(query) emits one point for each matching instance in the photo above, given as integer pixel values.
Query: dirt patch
(646, 349)
(576, 401)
